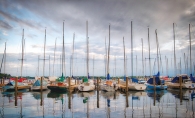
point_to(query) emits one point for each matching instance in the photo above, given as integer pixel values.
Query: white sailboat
(186, 82)
(109, 85)
(131, 86)
(87, 85)
(41, 83)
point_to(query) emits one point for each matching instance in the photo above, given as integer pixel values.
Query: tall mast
(44, 55)
(149, 51)
(49, 65)
(5, 58)
(93, 66)
(115, 65)
(157, 49)
(124, 57)
(63, 53)
(38, 64)
(87, 38)
(22, 52)
(131, 50)
(105, 57)
(174, 47)
(108, 51)
(190, 51)
(54, 57)
(185, 62)
(73, 53)
(142, 58)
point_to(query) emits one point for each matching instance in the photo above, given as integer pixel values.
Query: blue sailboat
(37, 85)
(158, 85)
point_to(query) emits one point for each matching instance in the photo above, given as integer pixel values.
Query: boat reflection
(37, 95)
(11, 95)
(56, 94)
(156, 95)
(184, 94)
(110, 94)
(85, 94)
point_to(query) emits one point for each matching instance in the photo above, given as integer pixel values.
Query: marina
(95, 104)
(97, 59)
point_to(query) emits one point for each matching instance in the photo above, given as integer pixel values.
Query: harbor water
(98, 104)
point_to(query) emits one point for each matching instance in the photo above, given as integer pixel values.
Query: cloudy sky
(35, 16)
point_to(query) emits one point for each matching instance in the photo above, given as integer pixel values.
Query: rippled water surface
(97, 104)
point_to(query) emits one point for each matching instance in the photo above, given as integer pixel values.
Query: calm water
(97, 104)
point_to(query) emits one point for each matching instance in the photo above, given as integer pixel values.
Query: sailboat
(87, 85)
(134, 85)
(73, 79)
(186, 82)
(41, 83)
(109, 85)
(10, 86)
(156, 83)
(59, 85)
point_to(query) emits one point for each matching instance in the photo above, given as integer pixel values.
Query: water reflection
(97, 104)
(156, 95)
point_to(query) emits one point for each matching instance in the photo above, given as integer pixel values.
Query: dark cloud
(5, 25)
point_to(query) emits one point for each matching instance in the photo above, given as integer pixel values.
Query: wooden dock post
(180, 87)
(127, 84)
(16, 91)
(16, 84)
(98, 95)
(69, 84)
(41, 102)
(3, 80)
(69, 99)
(98, 83)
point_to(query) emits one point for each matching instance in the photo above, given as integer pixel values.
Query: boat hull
(137, 87)
(156, 87)
(57, 88)
(83, 87)
(38, 88)
(184, 85)
(109, 88)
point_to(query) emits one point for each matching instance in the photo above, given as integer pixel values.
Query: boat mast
(44, 55)
(115, 65)
(87, 38)
(157, 49)
(190, 51)
(131, 51)
(22, 52)
(149, 51)
(142, 58)
(5, 58)
(174, 47)
(38, 65)
(105, 57)
(63, 53)
(124, 59)
(54, 57)
(73, 53)
(93, 66)
(108, 51)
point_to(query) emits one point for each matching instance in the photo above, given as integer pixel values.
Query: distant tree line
(4, 75)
